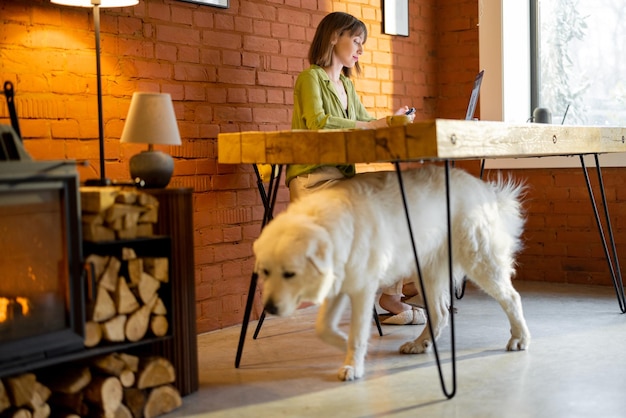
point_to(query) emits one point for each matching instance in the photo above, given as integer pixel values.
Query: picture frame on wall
(396, 17)
(215, 3)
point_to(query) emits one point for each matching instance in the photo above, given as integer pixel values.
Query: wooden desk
(439, 139)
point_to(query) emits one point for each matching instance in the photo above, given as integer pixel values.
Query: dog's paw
(416, 347)
(518, 344)
(348, 373)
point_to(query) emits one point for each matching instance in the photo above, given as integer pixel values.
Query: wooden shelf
(175, 240)
(33, 363)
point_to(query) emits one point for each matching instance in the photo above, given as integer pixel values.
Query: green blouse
(317, 106)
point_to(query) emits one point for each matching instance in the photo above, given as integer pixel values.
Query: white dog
(352, 239)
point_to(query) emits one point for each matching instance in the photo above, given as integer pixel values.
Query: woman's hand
(404, 111)
(382, 122)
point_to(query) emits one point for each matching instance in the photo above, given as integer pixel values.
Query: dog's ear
(318, 255)
(255, 250)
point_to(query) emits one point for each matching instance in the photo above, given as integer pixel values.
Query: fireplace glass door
(40, 307)
(33, 252)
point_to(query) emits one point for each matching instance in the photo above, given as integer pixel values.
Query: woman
(325, 98)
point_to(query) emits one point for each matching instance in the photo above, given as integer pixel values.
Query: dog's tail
(510, 193)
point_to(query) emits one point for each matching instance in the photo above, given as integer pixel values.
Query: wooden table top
(437, 139)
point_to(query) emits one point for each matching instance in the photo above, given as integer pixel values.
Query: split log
(97, 233)
(154, 371)
(25, 392)
(135, 400)
(157, 267)
(5, 402)
(99, 263)
(132, 362)
(91, 219)
(110, 364)
(93, 334)
(126, 196)
(37, 403)
(104, 307)
(145, 230)
(159, 325)
(128, 254)
(135, 269)
(97, 199)
(162, 400)
(115, 365)
(127, 233)
(127, 378)
(123, 412)
(105, 392)
(113, 329)
(138, 322)
(150, 215)
(21, 388)
(147, 287)
(145, 199)
(125, 300)
(120, 210)
(108, 280)
(41, 411)
(159, 307)
(72, 402)
(69, 380)
(130, 220)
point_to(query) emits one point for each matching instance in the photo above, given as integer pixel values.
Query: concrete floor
(575, 367)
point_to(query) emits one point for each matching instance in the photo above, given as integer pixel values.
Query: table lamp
(151, 120)
(96, 5)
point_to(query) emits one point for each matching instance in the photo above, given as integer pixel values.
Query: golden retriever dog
(351, 239)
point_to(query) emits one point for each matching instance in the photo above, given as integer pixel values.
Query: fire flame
(24, 304)
(5, 306)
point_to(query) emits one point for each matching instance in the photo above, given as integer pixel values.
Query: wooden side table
(176, 221)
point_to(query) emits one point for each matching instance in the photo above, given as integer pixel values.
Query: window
(579, 71)
(577, 59)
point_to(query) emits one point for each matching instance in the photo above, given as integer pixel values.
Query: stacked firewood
(126, 308)
(110, 213)
(114, 385)
(23, 396)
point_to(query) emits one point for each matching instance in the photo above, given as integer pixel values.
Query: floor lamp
(96, 5)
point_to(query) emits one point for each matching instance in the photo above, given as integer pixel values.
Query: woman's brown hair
(334, 25)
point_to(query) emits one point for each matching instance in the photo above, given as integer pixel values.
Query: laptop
(471, 107)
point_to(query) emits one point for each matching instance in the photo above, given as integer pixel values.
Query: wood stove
(42, 306)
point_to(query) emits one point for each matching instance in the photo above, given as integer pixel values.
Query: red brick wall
(233, 70)
(561, 237)
(227, 70)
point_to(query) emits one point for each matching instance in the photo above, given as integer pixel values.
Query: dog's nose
(270, 307)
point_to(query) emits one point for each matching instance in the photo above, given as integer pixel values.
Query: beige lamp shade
(101, 3)
(151, 120)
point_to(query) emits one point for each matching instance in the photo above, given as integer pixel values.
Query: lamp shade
(101, 3)
(151, 120)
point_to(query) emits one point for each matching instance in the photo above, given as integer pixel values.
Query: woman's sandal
(414, 316)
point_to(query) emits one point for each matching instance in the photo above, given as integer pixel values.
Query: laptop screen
(471, 107)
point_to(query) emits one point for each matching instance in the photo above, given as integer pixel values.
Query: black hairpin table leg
(449, 394)
(613, 261)
(269, 201)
